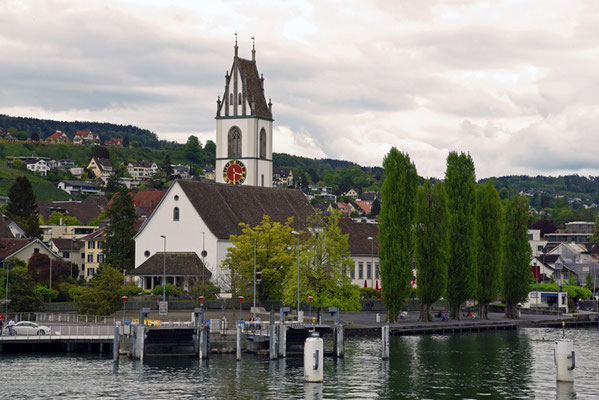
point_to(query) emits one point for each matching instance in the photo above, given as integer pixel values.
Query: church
(194, 220)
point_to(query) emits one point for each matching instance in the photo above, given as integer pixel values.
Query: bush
(131, 290)
(47, 293)
(64, 289)
(208, 290)
(368, 293)
(171, 290)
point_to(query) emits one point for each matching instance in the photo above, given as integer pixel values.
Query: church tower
(244, 127)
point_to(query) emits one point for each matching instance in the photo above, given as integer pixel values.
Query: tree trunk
(511, 310)
(425, 312)
(391, 316)
(483, 310)
(455, 312)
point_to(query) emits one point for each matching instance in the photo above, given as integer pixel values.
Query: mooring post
(196, 323)
(272, 349)
(385, 342)
(238, 342)
(282, 340)
(115, 344)
(339, 345)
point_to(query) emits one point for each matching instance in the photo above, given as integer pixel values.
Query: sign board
(163, 307)
(586, 269)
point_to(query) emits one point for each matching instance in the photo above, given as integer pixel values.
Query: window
(90, 258)
(147, 253)
(36, 250)
(90, 271)
(66, 254)
(360, 270)
(100, 243)
(234, 143)
(100, 258)
(231, 99)
(262, 143)
(262, 180)
(83, 256)
(376, 270)
(352, 272)
(176, 197)
(539, 248)
(176, 214)
(368, 270)
(239, 99)
(91, 244)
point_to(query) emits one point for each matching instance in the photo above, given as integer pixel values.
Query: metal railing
(72, 332)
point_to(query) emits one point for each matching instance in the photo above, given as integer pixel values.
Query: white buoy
(313, 358)
(565, 361)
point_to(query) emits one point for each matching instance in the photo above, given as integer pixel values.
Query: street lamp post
(372, 258)
(164, 269)
(298, 270)
(240, 301)
(203, 258)
(254, 310)
(310, 305)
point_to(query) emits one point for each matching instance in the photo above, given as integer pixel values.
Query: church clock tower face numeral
(234, 172)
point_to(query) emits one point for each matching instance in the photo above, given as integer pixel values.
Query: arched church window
(262, 143)
(231, 98)
(234, 143)
(176, 214)
(239, 98)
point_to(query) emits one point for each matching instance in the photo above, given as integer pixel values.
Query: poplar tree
(516, 255)
(396, 236)
(22, 207)
(460, 187)
(489, 224)
(432, 245)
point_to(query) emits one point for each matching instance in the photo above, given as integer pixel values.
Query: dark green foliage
(104, 295)
(206, 289)
(460, 185)
(516, 255)
(396, 236)
(193, 149)
(119, 246)
(432, 245)
(39, 269)
(113, 184)
(376, 208)
(595, 237)
(100, 152)
(131, 290)
(21, 290)
(489, 224)
(165, 167)
(22, 207)
(210, 153)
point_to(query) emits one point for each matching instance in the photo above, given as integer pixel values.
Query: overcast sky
(515, 83)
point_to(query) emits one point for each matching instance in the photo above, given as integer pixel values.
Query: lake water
(489, 365)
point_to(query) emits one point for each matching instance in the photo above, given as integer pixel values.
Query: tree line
(465, 243)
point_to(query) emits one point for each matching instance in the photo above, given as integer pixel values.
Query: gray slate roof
(223, 207)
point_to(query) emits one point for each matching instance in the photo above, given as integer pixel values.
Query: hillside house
(86, 137)
(58, 137)
(116, 142)
(101, 167)
(141, 170)
(282, 177)
(79, 188)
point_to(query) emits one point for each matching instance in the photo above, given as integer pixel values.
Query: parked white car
(28, 328)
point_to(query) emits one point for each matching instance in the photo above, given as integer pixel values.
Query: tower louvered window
(234, 145)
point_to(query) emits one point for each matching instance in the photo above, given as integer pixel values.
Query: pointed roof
(56, 136)
(252, 88)
(222, 207)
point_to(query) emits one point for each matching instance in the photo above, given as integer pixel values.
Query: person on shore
(11, 327)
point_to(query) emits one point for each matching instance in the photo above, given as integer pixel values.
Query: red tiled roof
(10, 246)
(56, 135)
(146, 199)
(366, 206)
(114, 141)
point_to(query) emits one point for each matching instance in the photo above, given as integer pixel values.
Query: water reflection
(495, 365)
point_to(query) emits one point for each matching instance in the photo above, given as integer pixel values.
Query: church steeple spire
(236, 48)
(253, 49)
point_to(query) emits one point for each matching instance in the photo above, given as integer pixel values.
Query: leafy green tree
(18, 164)
(113, 183)
(376, 208)
(119, 246)
(274, 258)
(206, 289)
(58, 218)
(35, 137)
(21, 288)
(595, 237)
(126, 141)
(324, 260)
(460, 187)
(100, 152)
(516, 255)
(193, 149)
(39, 269)
(489, 221)
(104, 295)
(589, 282)
(22, 206)
(165, 167)
(432, 245)
(210, 153)
(396, 224)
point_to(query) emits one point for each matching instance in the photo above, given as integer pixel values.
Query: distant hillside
(46, 127)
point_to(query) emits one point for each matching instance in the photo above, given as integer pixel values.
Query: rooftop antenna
(253, 48)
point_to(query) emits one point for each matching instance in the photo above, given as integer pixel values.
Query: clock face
(234, 172)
